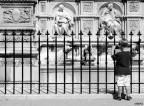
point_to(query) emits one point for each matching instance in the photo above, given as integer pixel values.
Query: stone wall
(87, 13)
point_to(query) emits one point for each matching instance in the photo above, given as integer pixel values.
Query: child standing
(122, 68)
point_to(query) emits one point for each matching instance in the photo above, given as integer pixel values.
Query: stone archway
(69, 8)
(116, 6)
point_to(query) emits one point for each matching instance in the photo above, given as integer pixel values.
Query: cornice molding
(18, 1)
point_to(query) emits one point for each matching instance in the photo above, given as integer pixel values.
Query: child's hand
(113, 47)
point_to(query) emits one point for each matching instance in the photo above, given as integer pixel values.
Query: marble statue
(52, 55)
(35, 36)
(63, 21)
(109, 22)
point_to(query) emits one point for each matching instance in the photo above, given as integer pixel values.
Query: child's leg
(128, 97)
(127, 90)
(119, 91)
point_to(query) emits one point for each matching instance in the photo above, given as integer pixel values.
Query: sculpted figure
(52, 55)
(35, 36)
(108, 20)
(63, 21)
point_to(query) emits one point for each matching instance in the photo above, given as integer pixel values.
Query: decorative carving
(18, 38)
(64, 21)
(134, 6)
(43, 26)
(87, 26)
(87, 7)
(134, 25)
(43, 7)
(19, 15)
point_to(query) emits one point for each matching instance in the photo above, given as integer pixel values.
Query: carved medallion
(16, 14)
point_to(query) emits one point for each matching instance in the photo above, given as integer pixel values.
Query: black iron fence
(66, 64)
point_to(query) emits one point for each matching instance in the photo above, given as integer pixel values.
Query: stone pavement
(69, 100)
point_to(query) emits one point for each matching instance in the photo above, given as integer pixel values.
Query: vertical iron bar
(72, 34)
(22, 34)
(106, 34)
(98, 34)
(47, 34)
(5, 34)
(139, 34)
(56, 34)
(131, 34)
(13, 34)
(39, 83)
(90, 53)
(30, 34)
(81, 61)
(114, 34)
(64, 62)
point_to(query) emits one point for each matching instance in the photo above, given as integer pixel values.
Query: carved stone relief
(134, 26)
(134, 7)
(87, 7)
(43, 26)
(43, 6)
(16, 38)
(16, 15)
(87, 26)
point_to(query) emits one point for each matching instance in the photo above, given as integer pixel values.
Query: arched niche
(119, 13)
(116, 6)
(68, 8)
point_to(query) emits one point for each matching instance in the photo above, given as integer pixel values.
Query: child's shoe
(119, 98)
(128, 98)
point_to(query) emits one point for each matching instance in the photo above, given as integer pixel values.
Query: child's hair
(123, 42)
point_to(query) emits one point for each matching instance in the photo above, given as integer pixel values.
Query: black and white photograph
(71, 52)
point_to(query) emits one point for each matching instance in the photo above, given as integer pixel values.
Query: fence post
(81, 60)
(106, 34)
(5, 34)
(72, 35)
(30, 35)
(55, 34)
(90, 53)
(114, 34)
(39, 33)
(98, 35)
(65, 56)
(47, 34)
(139, 34)
(131, 34)
(22, 34)
(13, 34)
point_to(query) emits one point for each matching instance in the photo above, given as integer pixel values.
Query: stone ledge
(62, 96)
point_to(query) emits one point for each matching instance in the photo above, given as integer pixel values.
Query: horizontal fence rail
(48, 64)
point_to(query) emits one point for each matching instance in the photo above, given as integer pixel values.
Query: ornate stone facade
(21, 13)
(16, 15)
